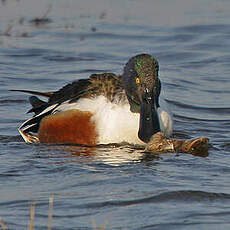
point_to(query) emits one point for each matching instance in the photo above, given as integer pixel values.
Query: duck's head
(142, 86)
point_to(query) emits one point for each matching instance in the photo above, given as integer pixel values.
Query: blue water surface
(117, 186)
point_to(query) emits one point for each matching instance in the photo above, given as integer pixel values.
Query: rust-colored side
(72, 126)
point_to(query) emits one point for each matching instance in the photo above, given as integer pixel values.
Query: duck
(102, 109)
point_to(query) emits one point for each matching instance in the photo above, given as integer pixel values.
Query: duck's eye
(138, 80)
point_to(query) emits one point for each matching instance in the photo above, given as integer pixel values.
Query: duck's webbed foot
(159, 143)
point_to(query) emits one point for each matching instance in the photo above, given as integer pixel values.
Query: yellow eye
(138, 80)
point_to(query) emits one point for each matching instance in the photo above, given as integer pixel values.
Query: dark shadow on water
(8, 139)
(12, 101)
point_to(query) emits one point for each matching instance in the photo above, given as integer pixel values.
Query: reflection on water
(120, 184)
(113, 155)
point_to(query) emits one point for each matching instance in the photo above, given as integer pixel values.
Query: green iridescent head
(146, 67)
(140, 74)
(142, 87)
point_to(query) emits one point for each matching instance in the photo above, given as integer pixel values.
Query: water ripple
(12, 101)
(167, 197)
(120, 183)
(215, 110)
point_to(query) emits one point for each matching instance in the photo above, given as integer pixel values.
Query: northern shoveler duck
(105, 108)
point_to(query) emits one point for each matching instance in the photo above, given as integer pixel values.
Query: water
(117, 185)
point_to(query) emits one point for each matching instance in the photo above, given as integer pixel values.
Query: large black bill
(149, 121)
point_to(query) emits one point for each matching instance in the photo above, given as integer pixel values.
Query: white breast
(115, 122)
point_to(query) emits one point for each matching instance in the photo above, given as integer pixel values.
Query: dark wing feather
(72, 91)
